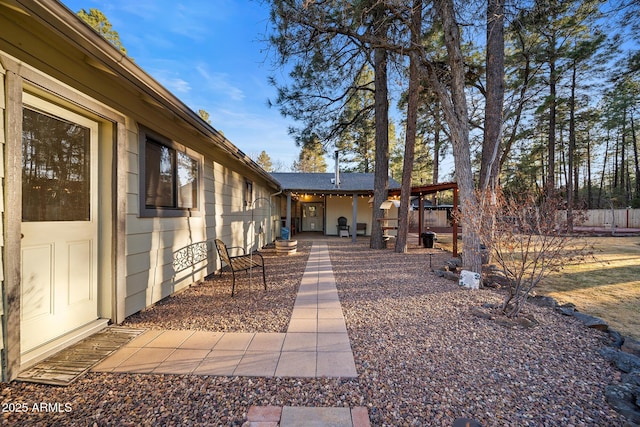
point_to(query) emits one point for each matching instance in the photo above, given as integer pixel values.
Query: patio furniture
(244, 262)
(343, 228)
(361, 227)
(189, 257)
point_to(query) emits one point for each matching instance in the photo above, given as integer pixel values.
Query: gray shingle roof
(349, 182)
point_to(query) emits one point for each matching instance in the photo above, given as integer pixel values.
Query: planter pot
(286, 247)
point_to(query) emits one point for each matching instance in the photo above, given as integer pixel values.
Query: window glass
(159, 174)
(55, 169)
(171, 178)
(187, 181)
(248, 192)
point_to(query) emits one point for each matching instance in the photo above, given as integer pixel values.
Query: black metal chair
(343, 228)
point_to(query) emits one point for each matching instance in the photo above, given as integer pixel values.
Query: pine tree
(99, 22)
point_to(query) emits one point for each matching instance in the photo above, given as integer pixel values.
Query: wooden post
(420, 217)
(354, 217)
(455, 222)
(288, 220)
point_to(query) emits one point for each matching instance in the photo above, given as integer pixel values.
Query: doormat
(66, 366)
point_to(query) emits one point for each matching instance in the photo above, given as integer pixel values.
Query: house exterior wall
(136, 251)
(337, 206)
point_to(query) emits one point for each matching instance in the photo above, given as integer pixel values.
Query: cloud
(220, 84)
(177, 85)
(173, 83)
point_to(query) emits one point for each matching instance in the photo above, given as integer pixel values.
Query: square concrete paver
(220, 362)
(332, 326)
(360, 417)
(303, 325)
(333, 342)
(304, 313)
(169, 339)
(300, 341)
(296, 364)
(267, 342)
(144, 360)
(330, 313)
(113, 361)
(202, 340)
(293, 416)
(336, 364)
(181, 361)
(334, 305)
(234, 341)
(144, 339)
(258, 364)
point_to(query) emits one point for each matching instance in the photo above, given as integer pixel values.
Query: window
(171, 178)
(56, 172)
(248, 192)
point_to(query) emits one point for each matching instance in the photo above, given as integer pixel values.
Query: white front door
(59, 277)
(312, 217)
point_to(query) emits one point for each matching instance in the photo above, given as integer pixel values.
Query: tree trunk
(634, 141)
(435, 178)
(551, 171)
(604, 168)
(381, 102)
(410, 133)
(572, 149)
(489, 167)
(457, 115)
(588, 177)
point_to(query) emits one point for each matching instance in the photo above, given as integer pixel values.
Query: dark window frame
(148, 211)
(248, 192)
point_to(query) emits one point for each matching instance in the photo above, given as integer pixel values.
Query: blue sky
(210, 54)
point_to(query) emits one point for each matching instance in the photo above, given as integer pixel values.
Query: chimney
(336, 180)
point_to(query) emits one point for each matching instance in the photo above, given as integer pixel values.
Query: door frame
(20, 77)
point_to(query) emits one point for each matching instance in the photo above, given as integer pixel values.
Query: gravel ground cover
(422, 356)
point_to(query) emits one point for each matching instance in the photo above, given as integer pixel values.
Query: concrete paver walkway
(295, 416)
(316, 343)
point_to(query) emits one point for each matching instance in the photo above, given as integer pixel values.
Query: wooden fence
(623, 218)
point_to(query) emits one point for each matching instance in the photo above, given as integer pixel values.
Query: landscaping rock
(543, 301)
(457, 262)
(624, 361)
(631, 346)
(591, 321)
(622, 397)
(567, 310)
(451, 276)
(632, 377)
(481, 313)
(527, 321)
(614, 339)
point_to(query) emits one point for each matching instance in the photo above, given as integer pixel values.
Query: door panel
(80, 255)
(59, 223)
(37, 274)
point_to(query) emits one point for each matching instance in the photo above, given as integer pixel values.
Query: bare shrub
(527, 238)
